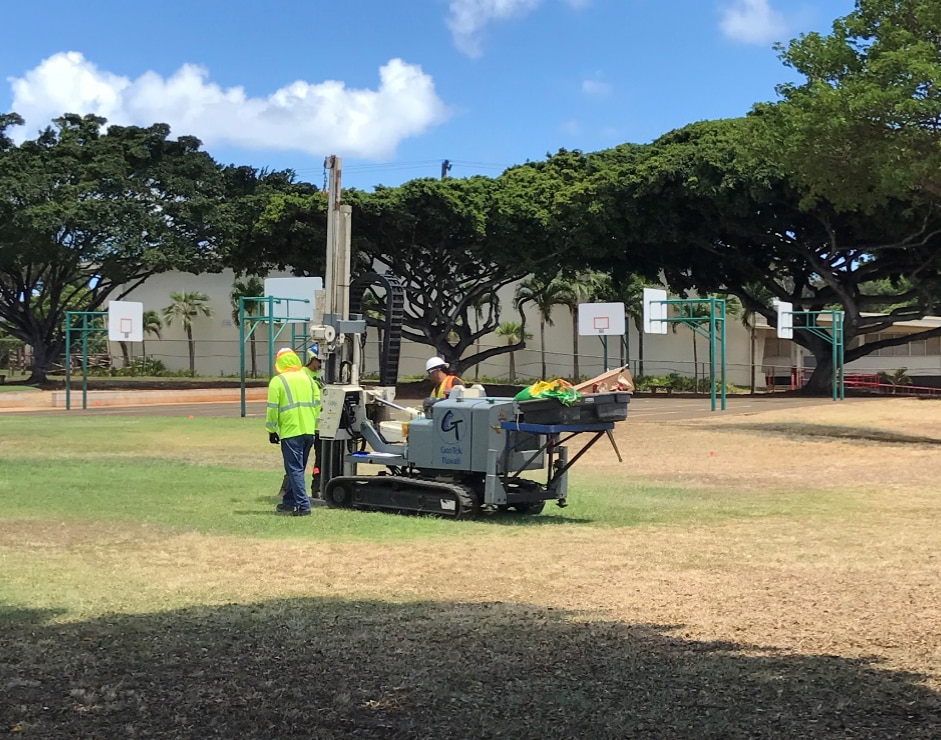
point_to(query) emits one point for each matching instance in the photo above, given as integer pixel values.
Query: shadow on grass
(818, 431)
(316, 668)
(12, 616)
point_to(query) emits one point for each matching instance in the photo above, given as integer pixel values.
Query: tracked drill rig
(456, 457)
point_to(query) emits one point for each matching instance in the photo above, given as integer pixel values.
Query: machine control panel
(337, 403)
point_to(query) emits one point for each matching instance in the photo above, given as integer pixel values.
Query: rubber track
(467, 505)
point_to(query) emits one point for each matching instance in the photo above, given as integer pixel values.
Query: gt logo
(450, 424)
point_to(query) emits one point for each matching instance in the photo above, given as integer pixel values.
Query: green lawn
(220, 476)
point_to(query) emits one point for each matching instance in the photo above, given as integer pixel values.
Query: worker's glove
(274, 438)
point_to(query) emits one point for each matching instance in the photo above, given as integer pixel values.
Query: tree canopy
(723, 221)
(88, 214)
(865, 125)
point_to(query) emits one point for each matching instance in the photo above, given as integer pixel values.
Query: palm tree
(250, 287)
(545, 295)
(573, 290)
(630, 292)
(513, 331)
(897, 378)
(186, 306)
(152, 325)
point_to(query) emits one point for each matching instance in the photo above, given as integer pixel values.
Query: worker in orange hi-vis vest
(438, 374)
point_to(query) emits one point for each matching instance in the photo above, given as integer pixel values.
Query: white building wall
(217, 343)
(216, 338)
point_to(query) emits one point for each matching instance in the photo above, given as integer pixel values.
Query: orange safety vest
(441, 390)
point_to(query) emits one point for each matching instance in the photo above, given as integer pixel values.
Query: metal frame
(270, 319)
(553, 441)
(835, 338)
(716, 321)
(84, 331)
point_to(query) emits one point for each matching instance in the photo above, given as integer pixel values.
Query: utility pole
(445, 168)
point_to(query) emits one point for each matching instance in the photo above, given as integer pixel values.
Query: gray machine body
(465, 435)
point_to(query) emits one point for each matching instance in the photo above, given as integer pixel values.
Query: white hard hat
(434, 362)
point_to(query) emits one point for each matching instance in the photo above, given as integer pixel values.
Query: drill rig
(455, 457)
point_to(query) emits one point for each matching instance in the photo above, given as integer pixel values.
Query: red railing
(868, 381)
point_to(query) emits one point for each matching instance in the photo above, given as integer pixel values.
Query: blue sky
(396, 86)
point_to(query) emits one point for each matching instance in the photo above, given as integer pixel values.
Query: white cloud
(596, 88)
(752, 22)
(467, 18)
(315, 118)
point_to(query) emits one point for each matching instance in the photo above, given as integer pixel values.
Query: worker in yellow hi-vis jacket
(291, 420)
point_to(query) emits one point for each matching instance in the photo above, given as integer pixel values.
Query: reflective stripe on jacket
(293, 399)
(441, 390)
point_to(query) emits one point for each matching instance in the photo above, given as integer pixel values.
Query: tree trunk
(512, 367)
(575, 373)
(640, 354)
(192, 349)
(695, 364)
(43, 356)
(254, 357)
(752, 338)
(125, 354)
(542, 346)
(821, 379)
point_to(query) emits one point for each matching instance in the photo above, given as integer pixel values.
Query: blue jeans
(296, 452)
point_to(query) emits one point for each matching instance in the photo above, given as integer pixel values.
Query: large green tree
(723, 221)
(273, 222)
(865, 124)
(454, 244)
(88, 214)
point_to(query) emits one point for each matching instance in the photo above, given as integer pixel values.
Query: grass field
(770, 575)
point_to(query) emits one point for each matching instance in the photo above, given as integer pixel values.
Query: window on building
(919, 348)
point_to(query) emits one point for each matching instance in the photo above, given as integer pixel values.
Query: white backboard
(125, 321)
(785, 320)
(297, 288)
(601, 319)
(655, 312)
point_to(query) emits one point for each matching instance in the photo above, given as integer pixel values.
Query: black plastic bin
(589, 409)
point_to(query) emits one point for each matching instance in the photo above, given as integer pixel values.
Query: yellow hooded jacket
(293, 398)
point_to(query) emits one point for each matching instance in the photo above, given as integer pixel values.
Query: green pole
(68, 360)
(722, 349)
(833, 357)
(712, 353)
(242, 351)
(84, 360)
(838, 336)
(270, 335)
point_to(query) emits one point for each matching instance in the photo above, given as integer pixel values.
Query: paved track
(642, 408)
